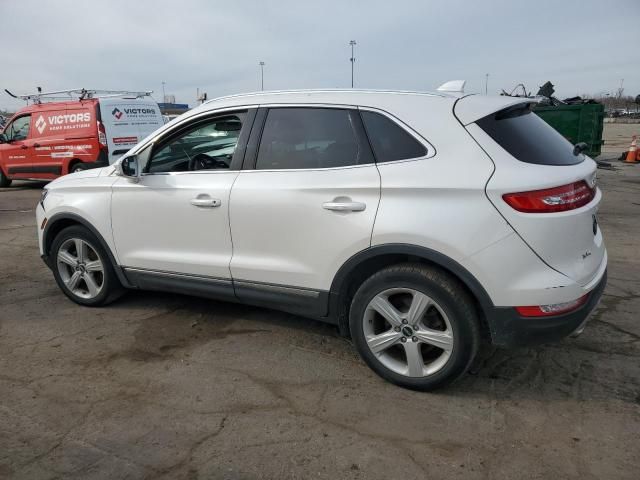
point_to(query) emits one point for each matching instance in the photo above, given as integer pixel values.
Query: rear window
(528, 138)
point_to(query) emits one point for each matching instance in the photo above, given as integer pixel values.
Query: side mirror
(128, 167)
(3, 138)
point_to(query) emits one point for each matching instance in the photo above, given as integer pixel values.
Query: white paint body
(281, 233)
(155, 227)
(271, 226)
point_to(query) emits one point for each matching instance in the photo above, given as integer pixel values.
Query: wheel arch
(59, 222)
(363, 264)
(70, 164)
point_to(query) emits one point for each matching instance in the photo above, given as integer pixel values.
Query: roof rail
(81, 93)
(322, 90)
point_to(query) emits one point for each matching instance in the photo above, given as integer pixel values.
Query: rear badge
(586, 254)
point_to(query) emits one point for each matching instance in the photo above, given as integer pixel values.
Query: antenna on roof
(81, 93)
(452, 86)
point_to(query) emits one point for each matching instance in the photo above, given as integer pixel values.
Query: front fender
(58, 222)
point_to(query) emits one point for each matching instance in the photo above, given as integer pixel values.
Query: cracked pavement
(165, 386)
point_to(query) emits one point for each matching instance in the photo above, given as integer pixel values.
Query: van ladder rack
(81, 93)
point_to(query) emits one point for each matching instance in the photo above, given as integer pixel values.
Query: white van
(127, 121)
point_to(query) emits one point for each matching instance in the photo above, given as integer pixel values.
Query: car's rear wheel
(415, 326)
(77, 167)
(82, 268)
(4, 181)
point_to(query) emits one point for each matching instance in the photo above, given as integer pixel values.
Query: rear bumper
(508, 329)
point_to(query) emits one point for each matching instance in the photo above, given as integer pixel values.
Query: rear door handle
(344, 206)
(205, 202)
(24, 147)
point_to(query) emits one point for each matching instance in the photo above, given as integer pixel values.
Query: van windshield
(528, 138)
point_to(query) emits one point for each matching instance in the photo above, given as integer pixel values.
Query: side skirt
(54, 169)
(300, 301)
(200, 286)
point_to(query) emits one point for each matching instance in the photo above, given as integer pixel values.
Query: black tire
(4, 181)
(452, 299)
(77, 167)
(111, 288)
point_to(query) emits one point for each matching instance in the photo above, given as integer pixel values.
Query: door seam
(231, 231)
(375, 216)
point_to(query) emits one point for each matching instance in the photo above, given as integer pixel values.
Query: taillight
(557, 199)
(552, 309)
(102, 135)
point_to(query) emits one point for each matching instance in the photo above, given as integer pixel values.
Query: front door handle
(344, 206)
(24, 147)
(205, 201)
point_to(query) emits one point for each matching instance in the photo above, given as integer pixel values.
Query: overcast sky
(581, 46)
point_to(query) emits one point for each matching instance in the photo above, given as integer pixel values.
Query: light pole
(352, 59)
(261, 75)
(164, 97)
(486, 83)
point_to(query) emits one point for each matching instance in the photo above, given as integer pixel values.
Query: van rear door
(127, 121)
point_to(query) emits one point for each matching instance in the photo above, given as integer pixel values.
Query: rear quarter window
(390, 141)
(528, 138)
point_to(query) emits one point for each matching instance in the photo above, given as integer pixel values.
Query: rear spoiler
(471, 108)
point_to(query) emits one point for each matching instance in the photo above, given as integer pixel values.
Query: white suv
(417, 223)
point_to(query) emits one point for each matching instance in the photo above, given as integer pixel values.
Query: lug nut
(403, 339)
(415, 339)
(405, 321)
(397, 329)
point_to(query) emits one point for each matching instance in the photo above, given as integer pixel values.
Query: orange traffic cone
(631, 154)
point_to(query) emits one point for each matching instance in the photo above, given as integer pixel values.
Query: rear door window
(389, 140)
(528, 138)
(307, 137)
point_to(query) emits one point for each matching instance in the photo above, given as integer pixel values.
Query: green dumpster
(577, 123)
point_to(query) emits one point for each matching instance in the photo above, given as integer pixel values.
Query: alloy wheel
(80, 268)
(408, 332)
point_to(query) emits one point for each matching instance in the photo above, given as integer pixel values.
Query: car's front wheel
(82, 268)
(415, 326)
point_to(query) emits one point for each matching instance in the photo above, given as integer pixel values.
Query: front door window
(18, 129)
(209, 145)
